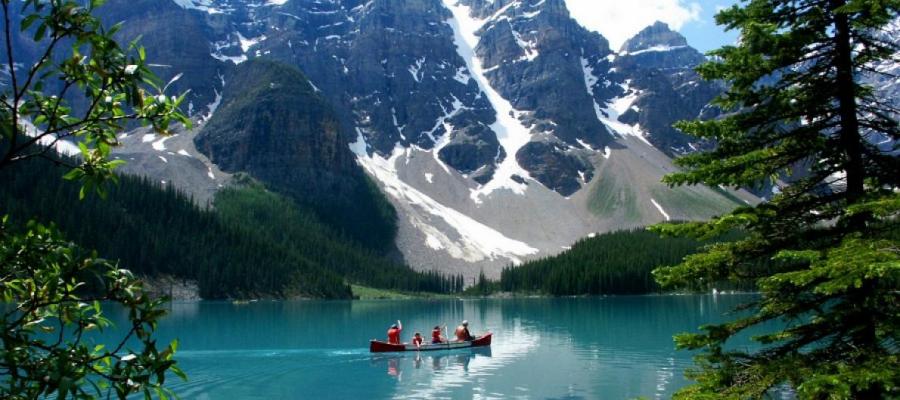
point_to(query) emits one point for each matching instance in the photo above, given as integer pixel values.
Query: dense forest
(256, 245)
(280, 222)
(608, 264)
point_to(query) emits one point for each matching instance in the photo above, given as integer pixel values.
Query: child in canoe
(436, 337)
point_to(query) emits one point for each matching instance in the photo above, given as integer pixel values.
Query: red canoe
(377, 346)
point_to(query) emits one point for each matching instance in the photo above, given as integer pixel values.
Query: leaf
(40, 32)
(178, 372)
(27, 21)
(74, 174)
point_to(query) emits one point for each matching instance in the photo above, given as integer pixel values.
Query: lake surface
(573, 348)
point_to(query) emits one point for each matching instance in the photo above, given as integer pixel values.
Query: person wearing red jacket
(394, 333)
(436, 337)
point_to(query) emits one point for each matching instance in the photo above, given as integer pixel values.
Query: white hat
(465, 322)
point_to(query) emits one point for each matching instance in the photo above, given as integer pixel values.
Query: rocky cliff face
(177, 43)
(269, 108)
(534, 54)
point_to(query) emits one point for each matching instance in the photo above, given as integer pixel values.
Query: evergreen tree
(795, 100)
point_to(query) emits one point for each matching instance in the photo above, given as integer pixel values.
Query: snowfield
(475, 242)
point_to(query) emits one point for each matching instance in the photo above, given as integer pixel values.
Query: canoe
(377, 346)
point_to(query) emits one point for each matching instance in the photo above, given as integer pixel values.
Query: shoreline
(457, 298)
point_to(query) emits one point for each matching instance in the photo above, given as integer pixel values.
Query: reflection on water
(437, 361)
(593, 348)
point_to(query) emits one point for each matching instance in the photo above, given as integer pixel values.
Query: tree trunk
(850, 137)
(851, 141)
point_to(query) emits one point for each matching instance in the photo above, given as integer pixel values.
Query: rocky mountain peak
(658, 35)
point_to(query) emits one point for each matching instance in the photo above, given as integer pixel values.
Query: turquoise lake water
(573, 348)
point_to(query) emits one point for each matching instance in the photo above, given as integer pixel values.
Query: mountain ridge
(500, 131)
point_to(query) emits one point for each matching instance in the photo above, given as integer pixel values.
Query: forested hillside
(612, 263)
(277, 220)
(259, 245)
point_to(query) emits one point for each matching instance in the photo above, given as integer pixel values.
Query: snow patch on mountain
(618, 106)
(246, 43)
(529, 47)
(202, 5)
(416, 69)
(476, 242)
(584, 144)
(61, 146)
(661, 210)
(589, 81)
(160, 145)
(235, 39)
(462, 76)
(234, 59)
(443, 141)
(212, 107)
(654, 49)
(511, 133)
(218, 54)
(360, 147)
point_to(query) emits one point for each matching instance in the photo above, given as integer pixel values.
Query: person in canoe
(462, 332)
(436, 337)
(417, 340)
(394, 333)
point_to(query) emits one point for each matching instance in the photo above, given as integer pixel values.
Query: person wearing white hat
(462, 332)
(394, 333)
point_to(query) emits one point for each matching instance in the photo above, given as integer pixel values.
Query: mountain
(500, 131)
(665, 88)
(273, 125)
